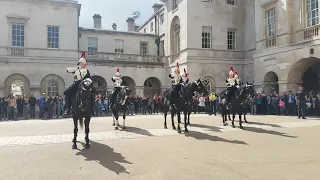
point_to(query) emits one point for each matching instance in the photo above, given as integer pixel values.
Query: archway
(17, 84)
(99, 83)
(305, 72)
(52, 84)
(128, 81)
(152, 86)
(175, 36)
(271, 82)
(208, 83)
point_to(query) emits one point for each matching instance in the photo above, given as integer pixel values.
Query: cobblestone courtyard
(270, 147)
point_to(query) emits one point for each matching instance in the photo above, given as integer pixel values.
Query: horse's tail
(81, 123)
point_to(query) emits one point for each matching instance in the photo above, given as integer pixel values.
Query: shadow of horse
(203, 136)
(105, 156)
(211, 128)
(138, 131)
(264, 131)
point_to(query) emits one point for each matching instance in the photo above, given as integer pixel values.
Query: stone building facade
(272, 43)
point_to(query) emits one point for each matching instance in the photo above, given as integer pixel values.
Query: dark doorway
(310, 80)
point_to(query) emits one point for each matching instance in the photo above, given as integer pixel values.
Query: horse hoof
(241, 127)
(74, 146)
(186, 130)
(225, 124)
(87, 146)
(246, 121)
(124, 127)
(173, 127)
(233, 126)
(165, 127)
(179, 131)
(116, 128)
(113, 124)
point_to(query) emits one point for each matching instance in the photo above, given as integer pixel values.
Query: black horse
(237, 100)
(121, 104)
(182, 104)
(82, 104)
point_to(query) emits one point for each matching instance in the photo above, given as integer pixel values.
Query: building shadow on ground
(137, 131)
(105, 156)
(203, 136)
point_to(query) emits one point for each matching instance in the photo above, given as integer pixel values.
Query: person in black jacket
(302, 100)
(32, 102)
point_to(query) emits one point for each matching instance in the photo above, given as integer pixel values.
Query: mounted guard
(80, 73)
(185, 77)
(230, 82)
(176, 83)
(237, 80)
(117, 82)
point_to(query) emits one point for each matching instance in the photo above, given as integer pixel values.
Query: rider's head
(82, 61)
(236, 76)
(177, 70)
(118, 72)
(231, 74)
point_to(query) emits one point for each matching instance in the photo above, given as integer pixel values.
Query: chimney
(114, 26)
(130, 22)
(156, 7)
(96, 21)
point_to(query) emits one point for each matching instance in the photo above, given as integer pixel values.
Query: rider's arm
(72, 69)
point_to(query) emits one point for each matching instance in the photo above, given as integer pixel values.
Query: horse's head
(86, 87)
(199, 87)
(249, 88)
(126, 92)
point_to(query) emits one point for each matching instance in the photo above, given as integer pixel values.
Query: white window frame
(161, 53)
(92, 44)
(312, 12)
(206, 37)
(54, 90)
(144, 48)
(162, 18)
(178, 44)
(232, 42)
(18, 34)
(270, 15)
(151, 27)
(231, 2)
(119, 46)
(53, 33)
(174, 5)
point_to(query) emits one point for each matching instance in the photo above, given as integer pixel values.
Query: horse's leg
(124, 119)
(185, 113)
(245, 117)
(189, 112)
(75, 133)
(179, 121)
(116, 116)
(229, 115)
(233, 117)
(240, 120)
(165, 117)
(172, 120)
(87, 130)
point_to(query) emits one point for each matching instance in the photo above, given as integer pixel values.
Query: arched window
(52, 87)
(17, 87)
(207, 84)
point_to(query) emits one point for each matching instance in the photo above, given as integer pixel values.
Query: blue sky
(115, 11)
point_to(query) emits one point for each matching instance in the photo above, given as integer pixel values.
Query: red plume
(118, 70)
(231, 68)
(83, 54)
(177, 65)
(236, 73)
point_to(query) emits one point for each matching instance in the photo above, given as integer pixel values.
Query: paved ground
(270, 147)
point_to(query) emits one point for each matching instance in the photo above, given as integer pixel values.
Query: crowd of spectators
(52, 106)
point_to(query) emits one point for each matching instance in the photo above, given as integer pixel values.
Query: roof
(116, 32)
(66, 1)
(154, 14)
